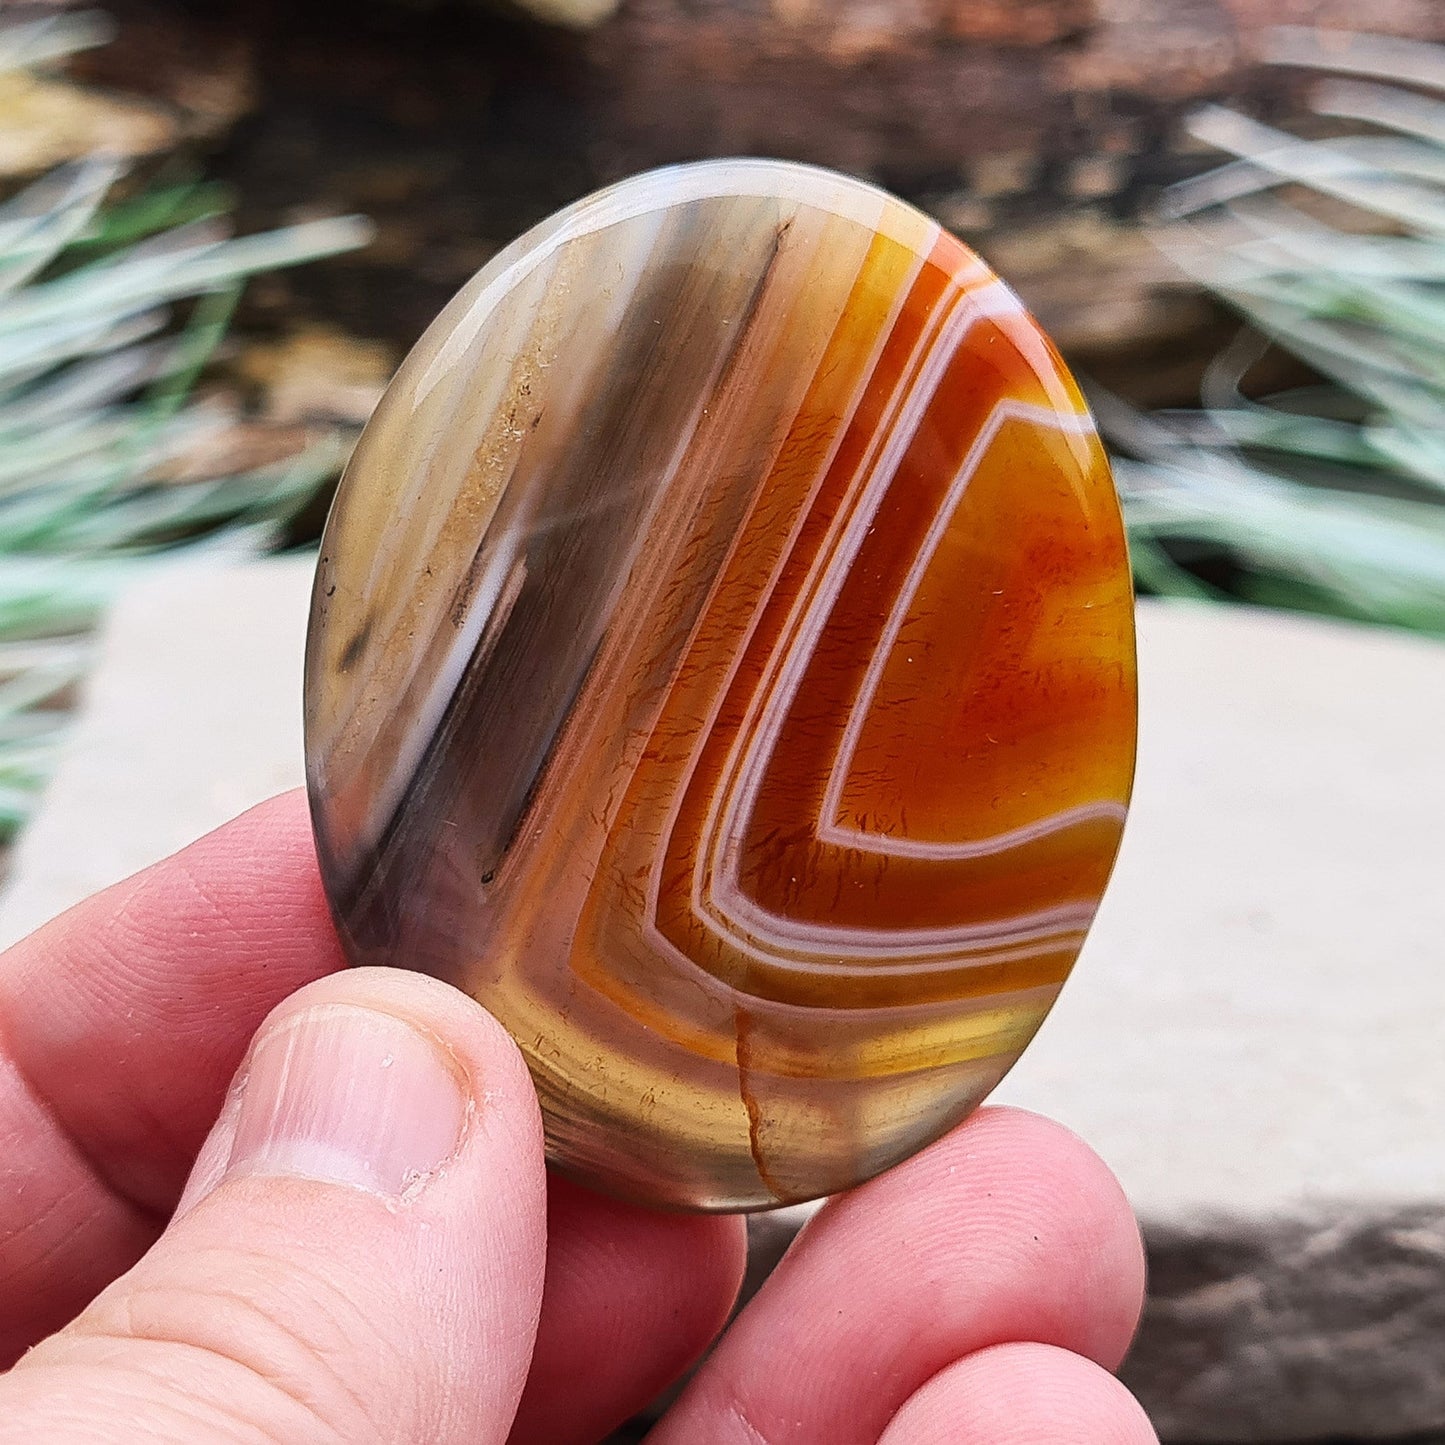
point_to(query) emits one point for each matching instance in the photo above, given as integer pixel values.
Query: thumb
(358, 1255)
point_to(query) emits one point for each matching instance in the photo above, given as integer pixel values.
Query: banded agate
(721, 667)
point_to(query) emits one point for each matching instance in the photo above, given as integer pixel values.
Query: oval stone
(721, 667)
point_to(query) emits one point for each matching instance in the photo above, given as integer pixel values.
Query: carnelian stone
(722, 668)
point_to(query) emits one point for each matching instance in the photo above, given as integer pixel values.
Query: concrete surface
(1255, 1034)
(192, 714)
(1253, 1038)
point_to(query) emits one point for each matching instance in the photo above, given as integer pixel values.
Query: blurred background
(225, 221)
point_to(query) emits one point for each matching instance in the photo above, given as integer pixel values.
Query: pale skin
(418, 1276)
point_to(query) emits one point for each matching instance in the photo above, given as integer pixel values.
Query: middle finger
(1007, 1229)
(633, 1296)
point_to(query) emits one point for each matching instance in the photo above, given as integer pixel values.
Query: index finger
(121, 1024)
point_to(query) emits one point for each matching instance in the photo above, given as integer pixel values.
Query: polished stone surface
(721, 667)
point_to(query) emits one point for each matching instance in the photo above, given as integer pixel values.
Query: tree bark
(1039, 130)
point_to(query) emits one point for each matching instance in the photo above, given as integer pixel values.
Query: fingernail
(348, 1095)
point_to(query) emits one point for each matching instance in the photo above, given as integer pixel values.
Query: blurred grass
(1330, 498)
(109, 461)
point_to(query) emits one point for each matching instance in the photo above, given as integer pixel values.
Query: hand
(350, 1245)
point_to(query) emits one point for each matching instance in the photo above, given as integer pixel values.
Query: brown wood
(1040, 130)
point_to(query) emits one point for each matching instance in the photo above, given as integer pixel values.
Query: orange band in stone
(770, 824)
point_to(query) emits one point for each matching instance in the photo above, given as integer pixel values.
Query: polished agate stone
(721, 667)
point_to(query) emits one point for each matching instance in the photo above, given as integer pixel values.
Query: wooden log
(1039, 130)
(1006, 94)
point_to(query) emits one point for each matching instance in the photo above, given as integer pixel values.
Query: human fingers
(633, 1297)
(1021, 1394)
(1008, 1229)
(121, 1024)
(358, 1255)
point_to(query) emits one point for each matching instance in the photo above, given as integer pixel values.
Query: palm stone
(721, 667)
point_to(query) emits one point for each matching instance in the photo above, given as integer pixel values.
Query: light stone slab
(1268, 967)
(191, 715)
(1253, 1037)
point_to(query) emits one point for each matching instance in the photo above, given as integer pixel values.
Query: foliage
(103, 441)
(1330, 498)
